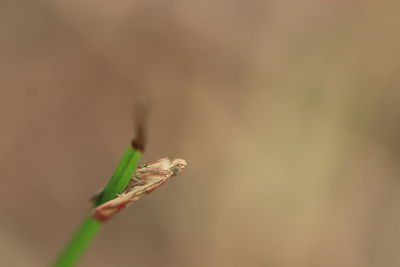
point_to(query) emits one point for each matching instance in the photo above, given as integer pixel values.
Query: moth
(146, 179)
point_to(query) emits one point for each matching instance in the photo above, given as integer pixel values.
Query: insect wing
(147, 178)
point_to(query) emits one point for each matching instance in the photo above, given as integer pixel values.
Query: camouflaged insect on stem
(146, 179)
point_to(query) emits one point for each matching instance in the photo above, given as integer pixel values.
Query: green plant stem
(79, 243)
(122, 176)
(90, 227)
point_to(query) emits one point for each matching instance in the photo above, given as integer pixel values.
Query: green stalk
(122, 176)
(79, 243)
(90, 227)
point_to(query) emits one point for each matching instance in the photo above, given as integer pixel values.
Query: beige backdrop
(288, 113)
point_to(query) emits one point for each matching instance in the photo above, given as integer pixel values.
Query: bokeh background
(288, 113)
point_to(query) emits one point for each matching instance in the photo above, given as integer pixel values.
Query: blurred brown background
(286, 111)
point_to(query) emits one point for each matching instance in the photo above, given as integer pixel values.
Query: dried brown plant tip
(139, 143)
(146, 179)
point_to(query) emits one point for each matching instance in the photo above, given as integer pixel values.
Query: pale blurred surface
(288, 113)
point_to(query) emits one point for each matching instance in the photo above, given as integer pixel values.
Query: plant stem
(79, 243)
(122, 176)
(89, 228)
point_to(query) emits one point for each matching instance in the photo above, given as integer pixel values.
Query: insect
(147, 178)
